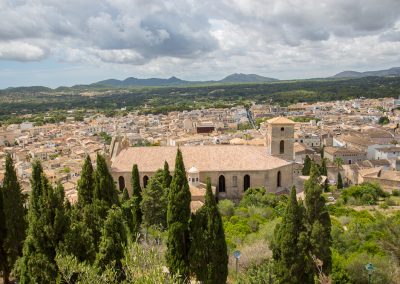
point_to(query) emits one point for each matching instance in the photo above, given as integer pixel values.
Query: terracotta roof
(280, 120)
(204, 158)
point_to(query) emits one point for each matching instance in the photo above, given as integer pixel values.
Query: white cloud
(206, 38)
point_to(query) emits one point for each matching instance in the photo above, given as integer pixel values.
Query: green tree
(113, 241)
(166, 176)
(47, 223)
(136, 194)
(289, 247)
(339, 181)
(125, 195)
(318, 222)
(208, 250)
(4, 267)
(324, 170)
(178, 216)
(86, 183)
(104, 187)
(14, 214)
(154, 204)
(306, 167)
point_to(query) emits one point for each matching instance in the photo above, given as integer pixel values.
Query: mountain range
(392, 72)
(173, 81)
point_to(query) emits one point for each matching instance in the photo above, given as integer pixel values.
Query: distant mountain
(132, 81)
(246, 78)
(392, 72)
(173, 81)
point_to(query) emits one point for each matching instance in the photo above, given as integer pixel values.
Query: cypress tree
(166, 176)
(339, 181)
(47, 225)
(13, 210)
(104, 187)
(154, 204)
(288, 247)
(208, 250)
(324, 170)
(4, 267)
(318, 222)
(113, 240)
(125, 195)
(86, 183)
(307, 165)
(137, 194)
(178, 216)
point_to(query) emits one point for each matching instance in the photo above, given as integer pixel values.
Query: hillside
(392, 72)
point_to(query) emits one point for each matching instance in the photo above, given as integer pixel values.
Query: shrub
(226, 208)
(396, 192)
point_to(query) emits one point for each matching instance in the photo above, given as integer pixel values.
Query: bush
(226, 208)
(396, 192)
(366, 193)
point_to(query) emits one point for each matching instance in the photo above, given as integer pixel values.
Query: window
(221, 184)
(121, 182)
(234, 181)
(189, 179)
(278, 179)
(145, 181)
(197, 179)
(282, 147)
(246, 182)
(282, 129)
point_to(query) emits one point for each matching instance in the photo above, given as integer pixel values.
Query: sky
(63, 43)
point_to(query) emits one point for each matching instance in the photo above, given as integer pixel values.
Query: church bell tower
(280, 138)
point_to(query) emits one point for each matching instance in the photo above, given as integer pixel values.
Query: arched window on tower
(145, 181)
(221, 184)
(246, 182)
(121, 183)
(282, 147)
(279, 179)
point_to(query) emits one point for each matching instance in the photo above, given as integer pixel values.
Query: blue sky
(54, 43)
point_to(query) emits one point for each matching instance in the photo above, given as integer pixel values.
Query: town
(359, 138)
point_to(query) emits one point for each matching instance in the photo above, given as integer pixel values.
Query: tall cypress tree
(86, 183)
(47, 225)
(318, 221)
(307, 165)
(324, 170)
(13, 210)
(136, 194)
(289, 247)
(104, 187)
(208, 251)
(178, 216)
(339, 181)
(4, 267)
(113, 240)
(166, 176)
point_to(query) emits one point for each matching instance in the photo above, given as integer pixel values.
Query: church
(231, 168)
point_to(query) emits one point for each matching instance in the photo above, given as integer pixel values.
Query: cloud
(214, 36)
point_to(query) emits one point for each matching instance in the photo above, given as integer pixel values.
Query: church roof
(206, 158)
(280, 120)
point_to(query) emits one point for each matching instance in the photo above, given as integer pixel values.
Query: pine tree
(14, 214)
(86, 183)
(137, 194)
(208, 250)
(166, 176)
(289, 248)
(47, 225)
(307, 165)
(113, 240)
(339, 181)
(178, 216)
(104, 187)
(154, 204)
(318, 221)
